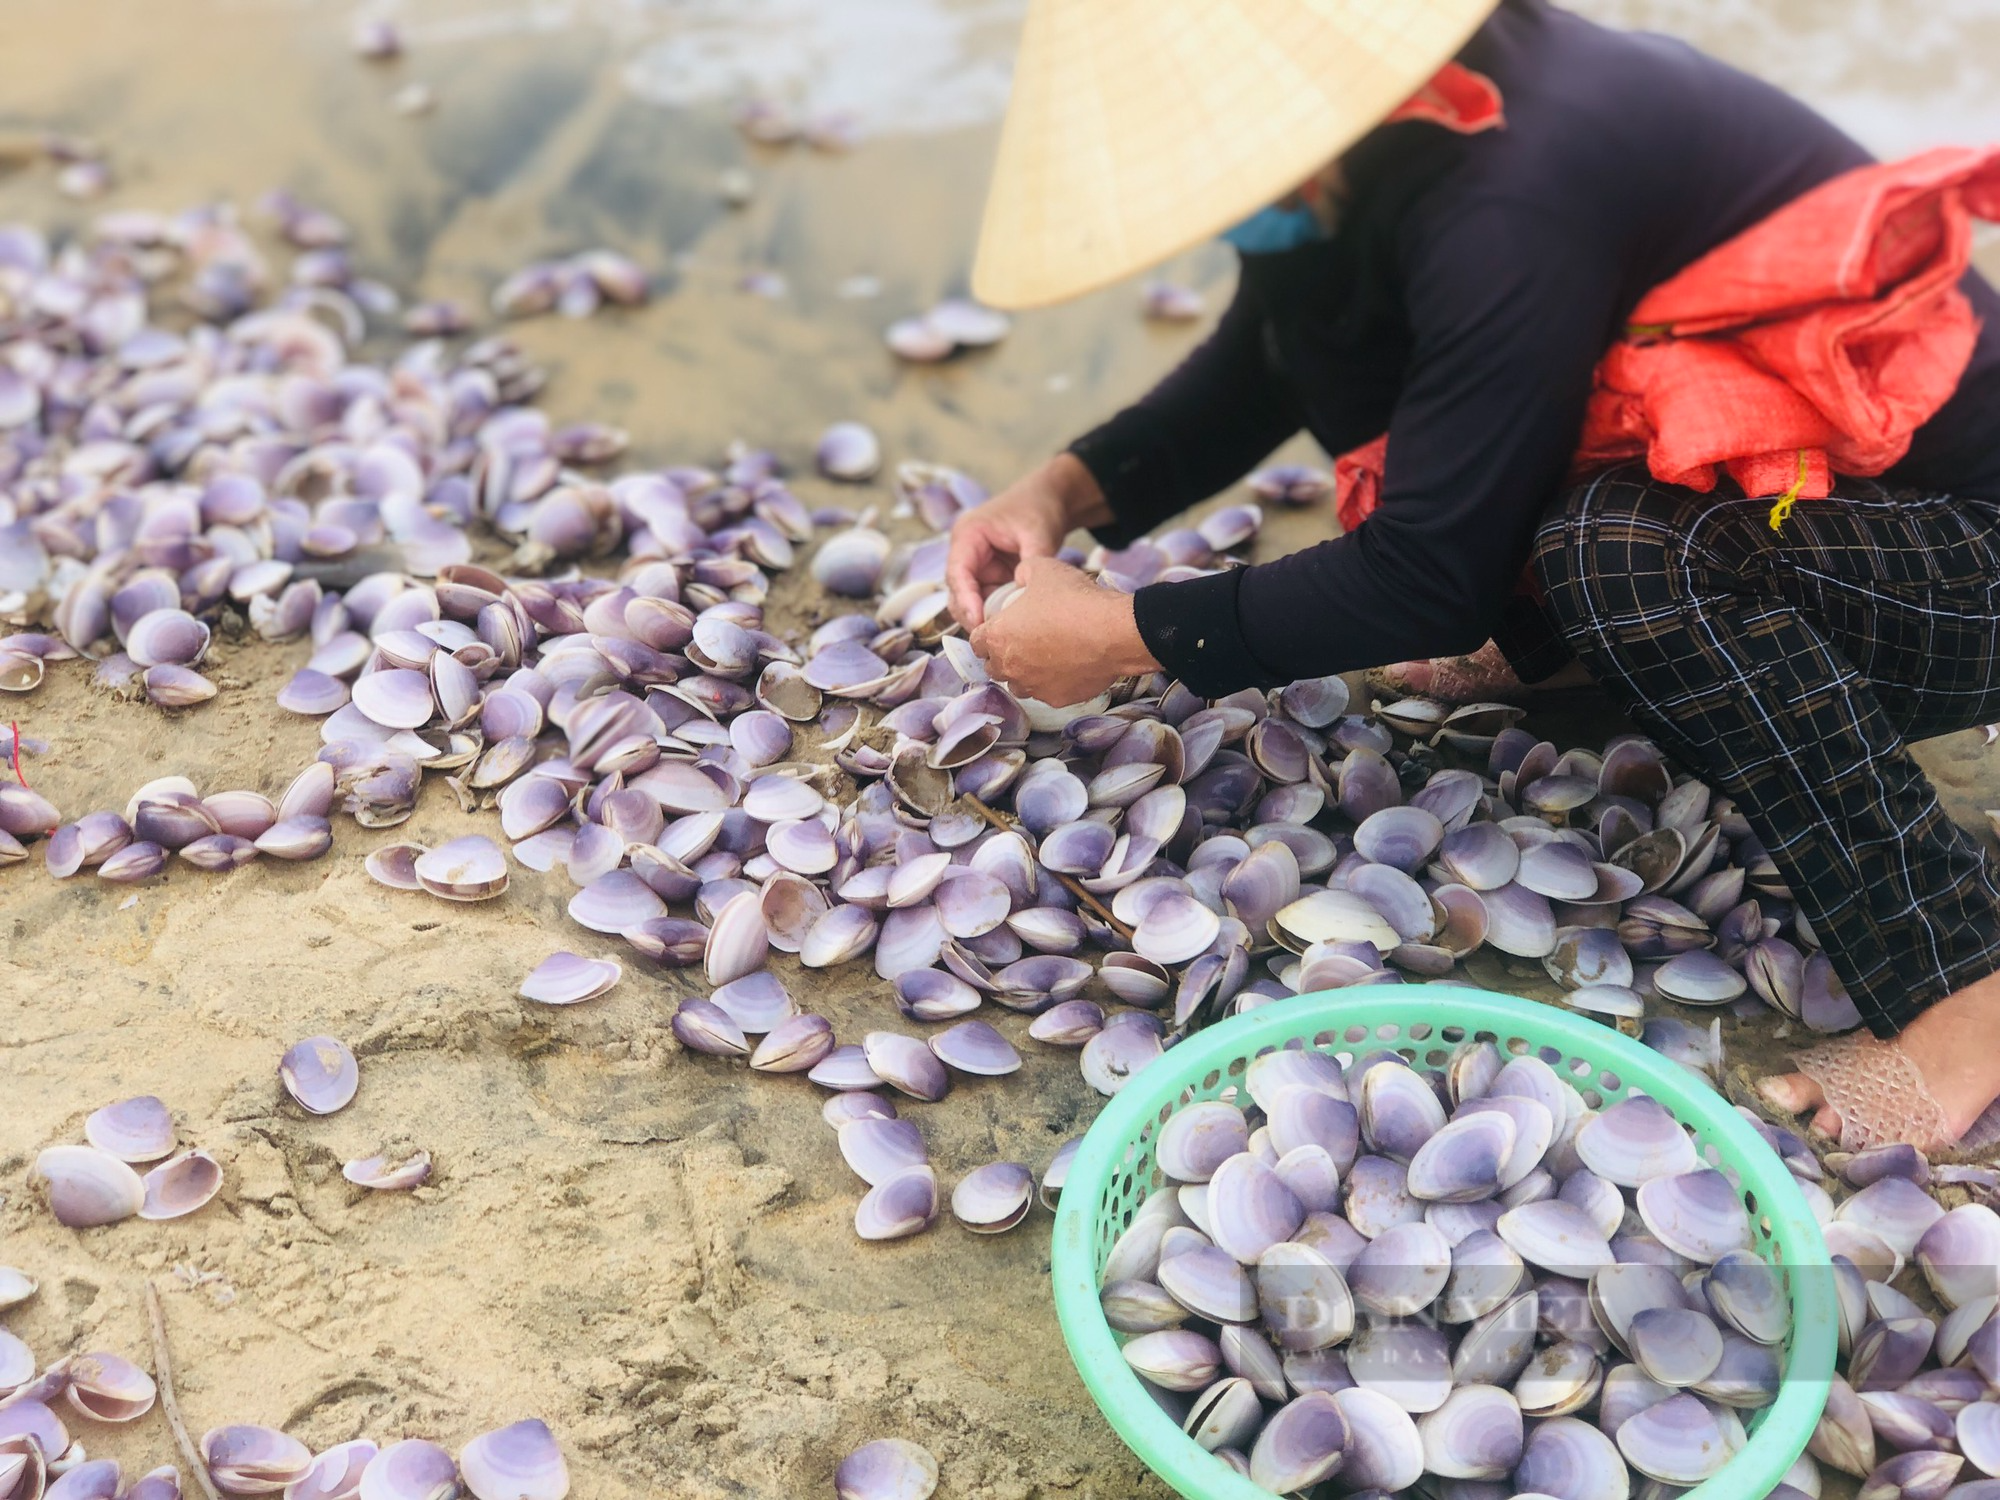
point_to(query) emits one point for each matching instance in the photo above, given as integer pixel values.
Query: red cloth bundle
(1817, 341)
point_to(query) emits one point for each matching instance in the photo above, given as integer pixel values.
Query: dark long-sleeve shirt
(1472, 286)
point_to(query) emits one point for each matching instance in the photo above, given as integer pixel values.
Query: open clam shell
(180, 1186)
(17, 1363)
(109, 1388)
(385, 1173)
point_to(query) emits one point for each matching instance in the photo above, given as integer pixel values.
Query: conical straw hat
(1140, 127)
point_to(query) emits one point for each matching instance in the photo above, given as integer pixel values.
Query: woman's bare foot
(1482, 677)
(1953, 1052)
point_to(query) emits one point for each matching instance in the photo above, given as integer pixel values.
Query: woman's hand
(1028, 519)
(1062, 638)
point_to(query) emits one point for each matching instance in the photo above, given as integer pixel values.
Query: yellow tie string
(1783, 506)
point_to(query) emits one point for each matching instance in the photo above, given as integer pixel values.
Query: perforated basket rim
(1785, 1426)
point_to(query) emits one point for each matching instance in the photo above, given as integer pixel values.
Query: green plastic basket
(1113, 1173)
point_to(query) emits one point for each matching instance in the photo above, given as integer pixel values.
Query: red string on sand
(15, 747)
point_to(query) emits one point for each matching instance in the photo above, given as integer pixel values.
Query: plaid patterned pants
(1790, 669)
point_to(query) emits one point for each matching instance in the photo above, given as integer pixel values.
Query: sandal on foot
(1878, 1093)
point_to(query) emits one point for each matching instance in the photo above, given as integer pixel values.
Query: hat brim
(1138, 128)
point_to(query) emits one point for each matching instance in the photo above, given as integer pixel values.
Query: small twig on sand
(163, 1376)
(1001, 820)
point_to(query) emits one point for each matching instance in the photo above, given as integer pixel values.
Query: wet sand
(650, 1250)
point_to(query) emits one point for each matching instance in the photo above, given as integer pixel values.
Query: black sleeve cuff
(1192, 630)
(1131, 466)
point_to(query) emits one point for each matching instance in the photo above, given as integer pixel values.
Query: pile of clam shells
(576, 286)
(1120, 872)
(717, 792)
(1915, 1412)
(1389, 1278)
(96, 1183)
(41, 1460)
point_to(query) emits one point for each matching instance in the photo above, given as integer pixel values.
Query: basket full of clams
(1463, 1246)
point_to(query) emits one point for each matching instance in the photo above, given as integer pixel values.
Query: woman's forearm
(1200, 429)
(1084, 503)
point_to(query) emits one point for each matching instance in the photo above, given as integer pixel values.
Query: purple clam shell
(413, 1469)
(521, 1461)
(1696, 1214)
(250, 1460)
(179, 1187)
(1250, 1208)
(794, 1045)
(975, 1047)
(86, 843)
(934, 995)
(389, 1174)
(471, 868)
(320, 1074)
(1302, 1443)
(878, 1147)
(219, 852)
(846, 1069)
(616, 902)
(166, 638)
(140, 1129)
(336, 1472)
(1677, 1441)
(886, 1469)
(87, 1187)
(397, 698)
(902, 1205)
(703, 1026)
(907, 1064)
(568, 978)
(993, 1198)
(312, 693)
